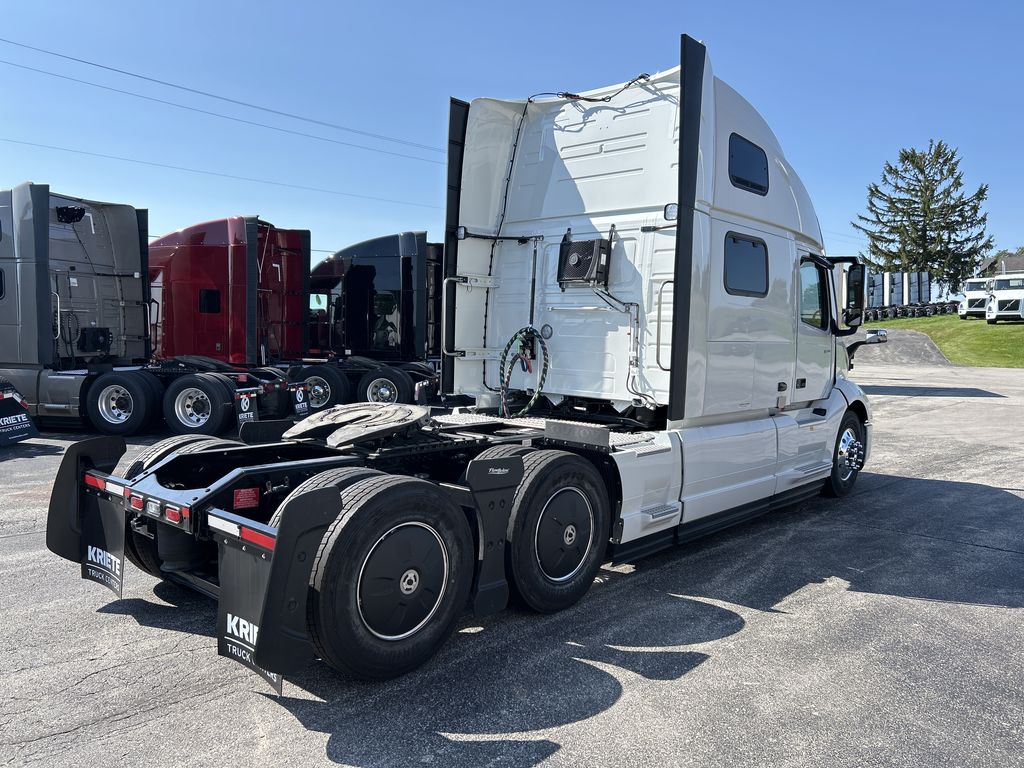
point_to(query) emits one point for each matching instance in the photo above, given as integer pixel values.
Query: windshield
(1009, 284)
(975, 285)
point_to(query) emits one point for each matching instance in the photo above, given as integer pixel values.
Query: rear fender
(69, 503)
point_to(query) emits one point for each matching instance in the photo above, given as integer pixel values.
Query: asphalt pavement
(882, 629)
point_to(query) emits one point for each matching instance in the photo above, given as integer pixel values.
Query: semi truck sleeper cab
(637, 299)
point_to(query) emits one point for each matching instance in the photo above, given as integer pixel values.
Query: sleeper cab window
(748, 165)
(209, 301)
(813, 299)
(746, 266)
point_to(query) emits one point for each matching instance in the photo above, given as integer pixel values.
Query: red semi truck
(363, 326)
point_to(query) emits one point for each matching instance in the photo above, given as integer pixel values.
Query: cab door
(815, 344)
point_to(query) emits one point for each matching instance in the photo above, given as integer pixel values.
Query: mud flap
(261, 621)
(70, 502)
(246, 410)
(103, 529)
(493, 484)
(244, 575)
(300, 399)
(15, 424)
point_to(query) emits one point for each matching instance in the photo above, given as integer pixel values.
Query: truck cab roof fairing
(587, 166)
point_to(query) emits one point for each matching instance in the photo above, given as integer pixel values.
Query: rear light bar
(174, 513)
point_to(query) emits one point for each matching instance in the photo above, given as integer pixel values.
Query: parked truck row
(638, 304)
(207, 327)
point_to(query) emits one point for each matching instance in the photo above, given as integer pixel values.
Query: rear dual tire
(391, 577)
(558, 530)
(199, 404)
(122, 403)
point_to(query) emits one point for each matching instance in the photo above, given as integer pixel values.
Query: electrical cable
(505, 375)
(228, 99)
(220, 175)
(223, 116)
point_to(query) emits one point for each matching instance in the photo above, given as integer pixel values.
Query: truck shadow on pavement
(919, 539)
(498, 687)
(910, 391)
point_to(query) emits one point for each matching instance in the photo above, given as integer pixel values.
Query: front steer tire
(840, 482)
(391, 577)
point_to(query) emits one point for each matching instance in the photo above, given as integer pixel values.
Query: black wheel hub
(402, 581)
(565, 532)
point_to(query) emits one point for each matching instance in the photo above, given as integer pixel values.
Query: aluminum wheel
(192, 406)
(382, 390)
(564, 535)
(319, 391)
(115, 404)
(850, 456)
(402, 581)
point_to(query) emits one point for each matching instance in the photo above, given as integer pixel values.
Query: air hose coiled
(523, 336)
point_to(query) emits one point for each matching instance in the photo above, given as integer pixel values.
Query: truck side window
(813, 299)
(209, 301)
(748, 165)
(746, 266)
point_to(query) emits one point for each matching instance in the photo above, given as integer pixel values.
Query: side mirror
(856, 279)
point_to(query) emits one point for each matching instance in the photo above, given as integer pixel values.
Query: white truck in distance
(975, 298)
(1005, 298)
(638, 299)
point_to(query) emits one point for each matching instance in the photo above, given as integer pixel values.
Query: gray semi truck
(75, 326)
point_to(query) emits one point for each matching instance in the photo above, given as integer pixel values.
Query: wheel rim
(382, 391)
(564, 534)
(850, 456)
(116, 404)
(319, 391)
(402, 581)
(192, 407)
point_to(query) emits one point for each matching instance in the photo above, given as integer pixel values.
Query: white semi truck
(1005, 298)
(975, 300)
(639, 302)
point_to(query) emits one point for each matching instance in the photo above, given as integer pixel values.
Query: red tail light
(136, 502)
(260, 539)
(173, 514)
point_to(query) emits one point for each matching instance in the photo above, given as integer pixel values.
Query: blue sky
(844, 86)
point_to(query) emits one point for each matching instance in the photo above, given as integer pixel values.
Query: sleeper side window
(1, 283)
(209, 301)
(813, 296)
(748, 165)
(746, 266)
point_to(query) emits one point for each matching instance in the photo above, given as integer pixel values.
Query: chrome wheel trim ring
(115, 404)
(405, 580)
(192, 407)
(850, 455)
(567, 540)
(382, 390)
(319, 391)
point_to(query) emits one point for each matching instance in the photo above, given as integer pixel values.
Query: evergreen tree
(919, 219)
